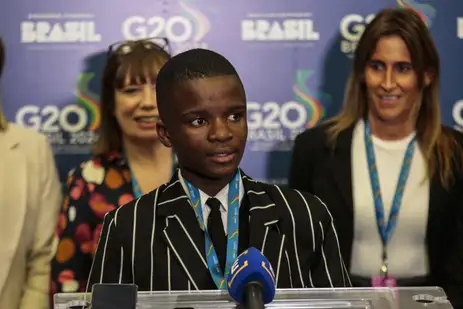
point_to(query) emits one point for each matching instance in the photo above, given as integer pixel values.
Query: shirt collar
(222, 196)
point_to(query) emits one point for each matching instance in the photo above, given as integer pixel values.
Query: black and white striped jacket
(156, 242)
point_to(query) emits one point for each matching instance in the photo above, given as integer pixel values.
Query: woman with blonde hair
(29, 206)
(129, 159)
(389, 171)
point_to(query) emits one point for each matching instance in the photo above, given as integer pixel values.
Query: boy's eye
(198, 122)
(235, 117)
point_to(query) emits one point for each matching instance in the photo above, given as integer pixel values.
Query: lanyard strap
(233, 225)
(386, 230)
(135, 187)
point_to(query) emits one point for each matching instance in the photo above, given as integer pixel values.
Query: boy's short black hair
(190, 65)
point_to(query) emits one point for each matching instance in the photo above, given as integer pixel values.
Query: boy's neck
(210, 186)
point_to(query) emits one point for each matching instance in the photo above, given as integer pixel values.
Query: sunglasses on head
(126, 47)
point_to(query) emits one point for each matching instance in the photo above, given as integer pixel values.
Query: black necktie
(216, 231)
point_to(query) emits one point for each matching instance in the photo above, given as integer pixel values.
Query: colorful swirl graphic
(314, 107)
(209, 251)
(236, 198)
(426, 11)
(195, 206)
(201, 24)
(234, 234)
(88, 100)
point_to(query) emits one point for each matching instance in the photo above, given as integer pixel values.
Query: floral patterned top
(94, 188)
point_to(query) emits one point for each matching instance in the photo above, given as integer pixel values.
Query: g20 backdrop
(293, 56)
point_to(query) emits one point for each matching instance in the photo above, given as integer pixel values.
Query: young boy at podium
(186, 234)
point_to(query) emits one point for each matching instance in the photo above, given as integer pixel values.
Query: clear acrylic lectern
(339, 298)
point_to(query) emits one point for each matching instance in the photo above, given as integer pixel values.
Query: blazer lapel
(185, 239)
(183, 236)
(340, 164)
(13, 190)
(439, 198)
(264, 232)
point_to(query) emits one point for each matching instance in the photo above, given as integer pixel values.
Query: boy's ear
(163, 135)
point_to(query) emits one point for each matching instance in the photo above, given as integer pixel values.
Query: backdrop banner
(293, 57)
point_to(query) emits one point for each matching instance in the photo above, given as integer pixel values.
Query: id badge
(383, 282)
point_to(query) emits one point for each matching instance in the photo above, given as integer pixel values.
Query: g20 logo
(177, 29)
(52, 119)
(351, 28)
(353, 25)
(271, 115)
(457, 114)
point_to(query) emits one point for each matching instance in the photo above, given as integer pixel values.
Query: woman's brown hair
(140, 60)
(438, 146)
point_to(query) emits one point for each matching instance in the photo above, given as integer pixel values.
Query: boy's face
(206, 125)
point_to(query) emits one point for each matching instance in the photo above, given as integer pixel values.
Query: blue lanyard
(386, 231)
(135, 187)
(233, 226)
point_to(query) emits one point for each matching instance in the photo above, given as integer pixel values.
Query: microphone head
(251, 266)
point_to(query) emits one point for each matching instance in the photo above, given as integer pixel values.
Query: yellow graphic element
(237, 272)
(236, 198)
(269, 272)
(234, 234)
(222, 281)
(210, 249)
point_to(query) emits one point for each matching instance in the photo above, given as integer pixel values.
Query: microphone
(251, 280)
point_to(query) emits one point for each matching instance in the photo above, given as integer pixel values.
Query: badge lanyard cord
(386, 230)
(218, 275)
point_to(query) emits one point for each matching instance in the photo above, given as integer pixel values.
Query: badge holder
(384, 280)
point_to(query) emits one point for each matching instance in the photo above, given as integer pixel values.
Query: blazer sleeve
(300, 169)
(108, 262)
(452, 279)
(76, 228)
(36, 289)
(330, 270)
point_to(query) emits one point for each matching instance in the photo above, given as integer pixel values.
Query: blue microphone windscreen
(249, 266)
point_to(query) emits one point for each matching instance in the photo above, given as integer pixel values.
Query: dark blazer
(326, 173)
(156, 242)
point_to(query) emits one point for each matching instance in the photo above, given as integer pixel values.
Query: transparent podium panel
(339, 298)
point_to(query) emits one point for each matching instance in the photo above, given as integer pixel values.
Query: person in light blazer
(30, 200)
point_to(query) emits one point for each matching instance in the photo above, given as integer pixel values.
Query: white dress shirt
(407, 252)
(222, 196)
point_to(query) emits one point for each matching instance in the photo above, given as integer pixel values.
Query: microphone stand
(253, 298)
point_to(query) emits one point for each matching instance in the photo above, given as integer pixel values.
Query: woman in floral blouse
(129, 159)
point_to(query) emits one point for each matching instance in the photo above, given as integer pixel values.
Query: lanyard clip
(384, 271)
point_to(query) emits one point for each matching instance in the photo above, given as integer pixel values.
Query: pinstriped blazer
(157, 243)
